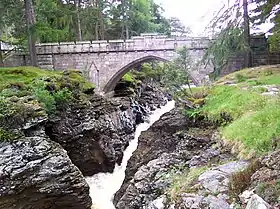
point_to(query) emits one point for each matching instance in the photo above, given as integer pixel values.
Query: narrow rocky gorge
(180, 163)
(45, 166)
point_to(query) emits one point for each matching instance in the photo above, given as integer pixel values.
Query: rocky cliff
(180, 163)
(46, 150)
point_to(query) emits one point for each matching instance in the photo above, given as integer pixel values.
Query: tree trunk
(30, 20)
(1, 56)
(1, 53)
(78, 26)
(97, 22)
(101, 19)
(248, 58)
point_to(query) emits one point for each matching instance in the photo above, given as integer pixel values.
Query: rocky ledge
(44, 157)
(96, 133)
(182, 164)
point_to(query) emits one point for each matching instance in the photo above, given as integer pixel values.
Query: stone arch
(111, 84)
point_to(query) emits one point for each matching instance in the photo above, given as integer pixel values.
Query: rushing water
(103, 186)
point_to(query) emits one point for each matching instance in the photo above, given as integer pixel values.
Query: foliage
(53, 89)
(44, 97)
(129, 77)
(74, 20)
(269, 10)
(227, 43)
(183, 182)
(7, 135)
(254, 118)
(241, 180)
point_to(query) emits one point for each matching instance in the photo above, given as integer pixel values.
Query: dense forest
(76, 20)
(26, 22)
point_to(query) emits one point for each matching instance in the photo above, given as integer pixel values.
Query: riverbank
(188, 160)
(55, 130)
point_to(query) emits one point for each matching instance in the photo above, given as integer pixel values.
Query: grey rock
(37, 173)
(158, 203)
(216, 180)
(149, 183)
(95, 134)
(194, 201)
(256, 202)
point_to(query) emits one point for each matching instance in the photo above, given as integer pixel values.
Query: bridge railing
(140, 43)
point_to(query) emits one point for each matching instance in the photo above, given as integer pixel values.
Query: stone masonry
(105, 62)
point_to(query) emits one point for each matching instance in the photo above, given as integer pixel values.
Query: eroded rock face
(161, 149)
(265, 181)
(36, 172)
(169, 149)
(96, 133)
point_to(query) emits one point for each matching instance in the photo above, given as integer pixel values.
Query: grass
(263, 75)
(24, 88)
(249, 121)
(23, 75)
(184, 182)
(18, 77)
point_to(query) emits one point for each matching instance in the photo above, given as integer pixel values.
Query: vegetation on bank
(28, 92)
(184, 182)
(172, 75)
(248, 119)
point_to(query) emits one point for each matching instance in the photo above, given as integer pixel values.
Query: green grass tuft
(184, 182)
(254, 119)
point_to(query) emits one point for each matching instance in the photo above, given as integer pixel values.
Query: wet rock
(148, 183)
(95, 134)
(161, 149)
(36, 172)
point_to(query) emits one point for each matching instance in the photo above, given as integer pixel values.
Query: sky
(194, 13)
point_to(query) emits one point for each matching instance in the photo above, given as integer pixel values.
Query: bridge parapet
(140, 43)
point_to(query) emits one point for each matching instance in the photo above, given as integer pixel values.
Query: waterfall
(103, 186)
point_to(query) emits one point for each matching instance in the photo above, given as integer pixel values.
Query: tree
(248, 58)
(231, 32)
(178, 28)
(75, 20)
(269, 10)
(30, 22)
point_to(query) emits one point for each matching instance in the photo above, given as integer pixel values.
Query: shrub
(45, 98)
(7, 135)
(184, 181)
(240, 77)
(63, 97)
(242, 179)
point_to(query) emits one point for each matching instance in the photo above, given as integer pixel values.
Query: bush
(242, 179)
(63, 97)
(44, 96)
(240, 77)
(7, 135)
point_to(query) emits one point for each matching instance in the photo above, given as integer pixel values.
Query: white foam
(103, 186)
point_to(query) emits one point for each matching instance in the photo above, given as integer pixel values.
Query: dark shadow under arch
(110, 86)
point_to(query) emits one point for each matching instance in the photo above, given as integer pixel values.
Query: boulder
(194, 201)
(36, 172)
(256, 202)
(216, 180)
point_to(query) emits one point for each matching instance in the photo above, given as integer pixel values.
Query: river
(103, 186)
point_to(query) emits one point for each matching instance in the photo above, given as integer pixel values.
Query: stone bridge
(105, 62)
